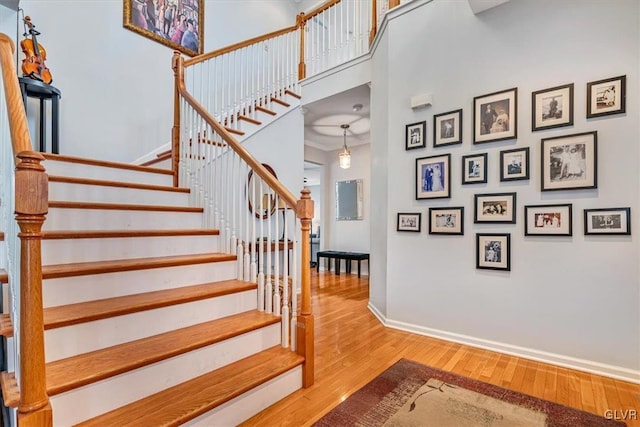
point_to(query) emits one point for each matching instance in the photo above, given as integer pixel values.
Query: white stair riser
(80, 170)
(70, 290)
(83, 338)
(250, 403)
(99, 219)
(117, 391)
(64, 251)
(62, 191)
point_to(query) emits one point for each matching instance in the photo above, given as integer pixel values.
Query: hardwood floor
(352, 348)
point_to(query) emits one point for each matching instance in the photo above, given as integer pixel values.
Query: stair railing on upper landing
(25, 194)
(259, 219)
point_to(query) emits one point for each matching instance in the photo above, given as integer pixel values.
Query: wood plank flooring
(352, 348)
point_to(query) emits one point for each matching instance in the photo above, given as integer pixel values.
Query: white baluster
(261, 260)
(294, 283)
(285, 286)
(269, 289)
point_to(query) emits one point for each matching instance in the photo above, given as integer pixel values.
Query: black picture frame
(548, 220)
(492, 208)
(409, 221)
(493, 251)
(607, 221)
(474, 169)
(437, 183)
(447, 128)
(446, 220)
(552, 108)
(514, 164)
(606, 97)
(495, 116)
(416, 135)
(569, 162)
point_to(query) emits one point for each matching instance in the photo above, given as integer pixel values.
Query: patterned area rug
(411, 394)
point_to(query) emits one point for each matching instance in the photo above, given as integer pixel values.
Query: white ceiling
(322, 120)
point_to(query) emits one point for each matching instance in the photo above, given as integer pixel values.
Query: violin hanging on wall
(33, 65)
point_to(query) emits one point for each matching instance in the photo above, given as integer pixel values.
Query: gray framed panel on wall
(349, 200)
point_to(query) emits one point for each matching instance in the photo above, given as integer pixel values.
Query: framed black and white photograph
(494, 208)
(409, 222)
(552, 108)
(514, 164)
(495, 116)
(447, 128)
(415, 135)
(493, 251)
(607, 221)
(569, 162)
(433, 177)
(548, 220)
(446, 220)
(605, 97)
(474, 169)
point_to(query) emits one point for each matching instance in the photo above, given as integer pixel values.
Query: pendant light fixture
(345, 156)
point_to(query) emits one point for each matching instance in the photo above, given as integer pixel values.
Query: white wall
(381, 135)
(280, 145)
(117, 86)
(349, 235)
(570, 300)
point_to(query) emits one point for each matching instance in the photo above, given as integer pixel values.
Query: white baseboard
(617, 372)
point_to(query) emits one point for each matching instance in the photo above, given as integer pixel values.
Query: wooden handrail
(318, 10)
(236, 46)
(281, 190)
(18, 126)
(374, 22)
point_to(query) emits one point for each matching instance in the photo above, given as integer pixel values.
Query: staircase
(150, 295)
(145, 323)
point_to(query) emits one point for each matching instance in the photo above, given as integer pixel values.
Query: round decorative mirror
(263, 201)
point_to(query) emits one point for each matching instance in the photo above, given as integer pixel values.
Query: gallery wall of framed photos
(562, 156)
(567, 162)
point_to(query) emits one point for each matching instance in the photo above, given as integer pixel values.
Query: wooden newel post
(302, 67)
(374, 21)
(32, 184)
(178, 67)
(305, 324)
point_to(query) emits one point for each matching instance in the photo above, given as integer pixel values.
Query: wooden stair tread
(121, 206)
(6, 325)
(159, 158)
(265, 110)
(1, 236)
(72, 314)
(186, 401)
(83, 369)
(292, 93)
(104, 183)
(280, 101)
(235, 131)
(109, 164)
(101, 267)
(10, 390)
(4, 276)
(106, 234)
(250, 120)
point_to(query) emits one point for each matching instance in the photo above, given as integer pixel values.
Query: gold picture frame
(168, 22)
